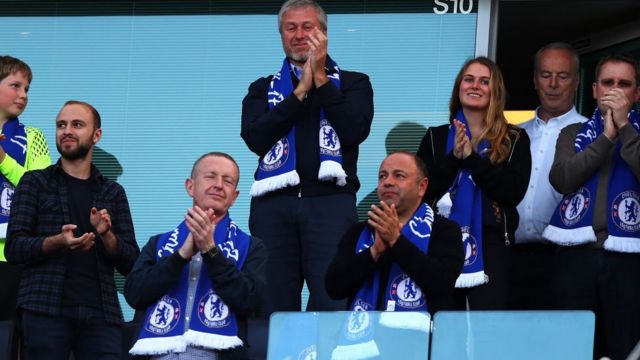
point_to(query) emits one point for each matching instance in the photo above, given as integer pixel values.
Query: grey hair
(557, 46)
(290, 4)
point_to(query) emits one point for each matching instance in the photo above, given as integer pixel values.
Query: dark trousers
(80, 330)
(9, 283)
(494, 295)
(532, 277)
(301, 235)
(607, 283)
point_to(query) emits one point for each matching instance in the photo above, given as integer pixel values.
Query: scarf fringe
(622, 244)
(330, 170)
(364, 350)
(159, 346)
(471, 279)
(261, 187)
(211, 341)
(444, 205)
(406, 320)
(569, 237)
(3, 230)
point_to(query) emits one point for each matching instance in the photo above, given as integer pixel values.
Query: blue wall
(169, 88)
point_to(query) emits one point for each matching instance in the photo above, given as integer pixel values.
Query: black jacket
(241, 289)
(348, 109)
(503, 185)
(40, 208)
(435, 272)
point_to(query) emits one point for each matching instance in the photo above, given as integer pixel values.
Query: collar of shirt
(297, 70)
(541, 199)
(558, 121)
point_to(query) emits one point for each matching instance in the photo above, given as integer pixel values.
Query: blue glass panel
(523, 335)
(349, 335)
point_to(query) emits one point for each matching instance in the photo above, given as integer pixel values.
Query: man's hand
(384, 220)
(83, 242)
(610, 130)
(462, 145)
(306, 81)
(318, 56)
(616, 101)
(188, 249)
(378, 247)
(201, 224)
(100, 220)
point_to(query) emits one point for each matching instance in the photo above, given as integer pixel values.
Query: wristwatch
(211, 253)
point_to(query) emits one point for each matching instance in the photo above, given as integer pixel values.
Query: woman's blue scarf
(213, 324)
(277, 169)
(463, 204)
(571, 223)
(15, 145)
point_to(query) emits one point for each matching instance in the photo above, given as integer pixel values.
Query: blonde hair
(496, 130)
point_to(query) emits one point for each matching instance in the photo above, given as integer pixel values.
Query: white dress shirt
(541, 199)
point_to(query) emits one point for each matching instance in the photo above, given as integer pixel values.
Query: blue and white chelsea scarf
(15, 145)
(213, 324)
(277, 169)
(463, 204)
(571, 223)
(401, 292)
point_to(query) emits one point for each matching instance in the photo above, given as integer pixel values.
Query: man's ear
(188, 185)
(97, 135)
(422, 186)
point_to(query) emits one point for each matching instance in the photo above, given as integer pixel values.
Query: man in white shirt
(556, 80)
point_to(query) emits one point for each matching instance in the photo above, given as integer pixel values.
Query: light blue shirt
(541, 199)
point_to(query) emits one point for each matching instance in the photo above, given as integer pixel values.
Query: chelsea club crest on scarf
(571, 223)
(277, 168)
(211, 324)
(165, 316)
(277, 156)
(463, 204)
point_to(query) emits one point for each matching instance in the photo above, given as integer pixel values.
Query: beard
(298, 56)
(75, 154)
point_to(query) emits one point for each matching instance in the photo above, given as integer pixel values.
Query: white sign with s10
(453, 6)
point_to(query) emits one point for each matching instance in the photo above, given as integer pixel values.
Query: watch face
(213, 252)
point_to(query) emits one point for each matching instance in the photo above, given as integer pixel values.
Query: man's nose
(300, 33)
